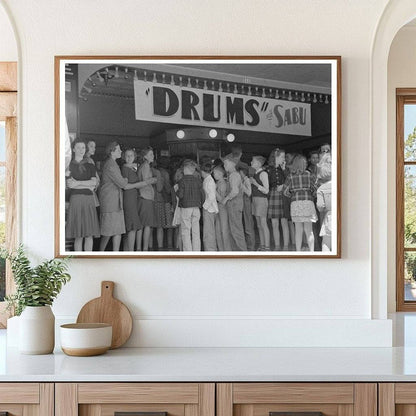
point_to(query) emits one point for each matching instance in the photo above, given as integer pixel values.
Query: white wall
(401, 74)
(8, 46)
(211, 302)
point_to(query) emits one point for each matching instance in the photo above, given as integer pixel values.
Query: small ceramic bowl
(84, 340)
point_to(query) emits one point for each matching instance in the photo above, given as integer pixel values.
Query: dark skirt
(82, 217)
(275, 209)
(131, 210)
(286, 207)
(146, 208)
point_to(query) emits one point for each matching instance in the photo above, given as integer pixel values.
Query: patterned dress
(167, 196)
(301, 188)
(277, 177)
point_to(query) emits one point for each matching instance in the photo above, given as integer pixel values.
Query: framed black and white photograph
(198, 157)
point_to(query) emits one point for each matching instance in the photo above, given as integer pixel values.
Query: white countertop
(213, 364)
(222, 364)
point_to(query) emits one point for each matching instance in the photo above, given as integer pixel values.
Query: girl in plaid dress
(300, 186)
(276, 211)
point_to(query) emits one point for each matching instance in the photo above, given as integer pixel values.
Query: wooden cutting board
(107, 309)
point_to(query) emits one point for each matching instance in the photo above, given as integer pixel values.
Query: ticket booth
(193, 142)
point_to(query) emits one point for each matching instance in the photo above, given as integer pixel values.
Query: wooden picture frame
(214, 110)
(8, 116)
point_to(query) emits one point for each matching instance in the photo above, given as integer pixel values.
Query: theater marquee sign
(197, 107)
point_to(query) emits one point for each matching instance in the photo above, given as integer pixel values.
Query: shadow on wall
(9, 45)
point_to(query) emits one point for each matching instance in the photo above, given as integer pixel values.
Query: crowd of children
(282, 203)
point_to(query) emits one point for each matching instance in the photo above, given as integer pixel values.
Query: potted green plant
(36, 289)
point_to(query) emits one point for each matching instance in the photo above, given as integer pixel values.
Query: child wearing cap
(234, 203)
(191, 197)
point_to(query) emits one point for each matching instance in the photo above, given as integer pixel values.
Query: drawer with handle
(131, 399)
(296, 399)
(140, 414)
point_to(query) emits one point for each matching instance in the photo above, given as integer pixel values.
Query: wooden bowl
(84, 340)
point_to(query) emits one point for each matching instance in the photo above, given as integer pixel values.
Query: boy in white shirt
(209, 208)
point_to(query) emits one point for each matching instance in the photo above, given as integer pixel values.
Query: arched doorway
(396, 15)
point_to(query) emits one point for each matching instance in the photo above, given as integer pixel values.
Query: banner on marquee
(164, 103)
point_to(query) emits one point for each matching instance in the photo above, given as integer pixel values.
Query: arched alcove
(396, 14)
(8, 45)
(401, 74)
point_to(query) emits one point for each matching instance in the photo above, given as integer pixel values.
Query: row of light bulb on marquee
(180, 134)
(105, 75)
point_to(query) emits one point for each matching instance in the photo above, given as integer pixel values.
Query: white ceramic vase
(37, 330)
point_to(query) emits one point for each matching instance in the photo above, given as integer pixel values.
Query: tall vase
(37, 330)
